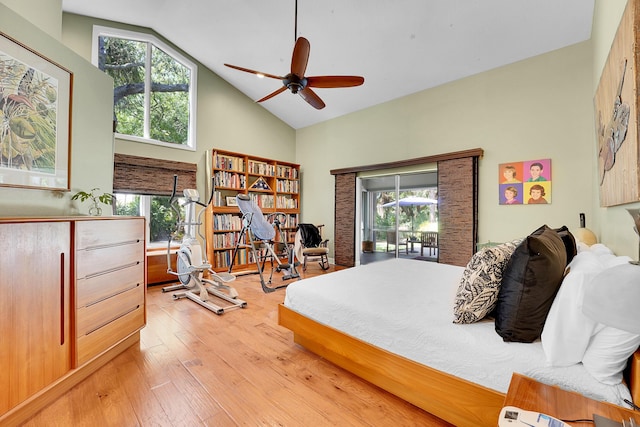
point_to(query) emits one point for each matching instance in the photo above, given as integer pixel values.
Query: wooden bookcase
(272, 184)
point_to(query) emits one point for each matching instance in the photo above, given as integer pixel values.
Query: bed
(434, 368)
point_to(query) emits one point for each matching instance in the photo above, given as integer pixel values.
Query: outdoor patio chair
(429, 239)
(391, 240)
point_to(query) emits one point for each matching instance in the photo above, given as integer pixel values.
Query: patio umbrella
(412, 201)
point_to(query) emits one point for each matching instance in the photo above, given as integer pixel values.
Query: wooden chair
(428, 239)
(391, 240)
(311, 245)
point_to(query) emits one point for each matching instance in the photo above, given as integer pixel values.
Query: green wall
(541, 107)
(533, 109)
(91, 136)
(226, 118)
(537, 108)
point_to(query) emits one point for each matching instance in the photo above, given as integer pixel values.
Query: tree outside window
(154, 88)
(160, 217)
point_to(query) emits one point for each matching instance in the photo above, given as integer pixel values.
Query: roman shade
(152, 177)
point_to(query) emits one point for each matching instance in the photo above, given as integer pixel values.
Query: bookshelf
(272, 184)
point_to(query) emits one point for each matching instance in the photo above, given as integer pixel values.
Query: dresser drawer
(92, 234)
(95, 316)
(101, 286)
(95, 343)
(94, 262)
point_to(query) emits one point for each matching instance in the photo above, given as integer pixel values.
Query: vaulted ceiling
(400, 47)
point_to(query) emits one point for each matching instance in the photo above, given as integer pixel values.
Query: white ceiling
(400, 46)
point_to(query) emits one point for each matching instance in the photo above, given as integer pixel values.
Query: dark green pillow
(529, 285)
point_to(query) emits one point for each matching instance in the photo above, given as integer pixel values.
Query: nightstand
(531, 395)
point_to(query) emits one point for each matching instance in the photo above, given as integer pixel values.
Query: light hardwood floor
(194, 368)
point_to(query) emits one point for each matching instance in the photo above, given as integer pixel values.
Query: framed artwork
(525, 182)
(616, 122)
(35, 118)
(231, 201)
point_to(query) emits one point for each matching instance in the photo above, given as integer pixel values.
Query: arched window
(154, 87)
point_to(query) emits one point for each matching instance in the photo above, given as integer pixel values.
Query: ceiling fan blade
(259, 73)
(312, 98)
(272, 94)
(300, 57)
(334, 81)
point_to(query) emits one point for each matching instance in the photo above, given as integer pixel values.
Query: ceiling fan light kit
(296, 81)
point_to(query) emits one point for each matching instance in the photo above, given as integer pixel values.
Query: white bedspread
(406, 307)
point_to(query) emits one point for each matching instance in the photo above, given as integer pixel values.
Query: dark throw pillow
(529, 285)
(569, 242)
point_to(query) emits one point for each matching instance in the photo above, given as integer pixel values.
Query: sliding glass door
(396, 212)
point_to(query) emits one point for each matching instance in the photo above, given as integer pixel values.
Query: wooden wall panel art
(616, 120)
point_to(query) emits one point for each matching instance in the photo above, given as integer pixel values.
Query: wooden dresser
(72, 297)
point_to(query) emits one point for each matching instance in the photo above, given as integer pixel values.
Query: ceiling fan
(296, 81)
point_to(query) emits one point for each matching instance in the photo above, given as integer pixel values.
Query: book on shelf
(230, 180)
(261, 168)
(287, 186)
(222, 161)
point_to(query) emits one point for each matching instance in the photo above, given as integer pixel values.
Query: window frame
(101, 31)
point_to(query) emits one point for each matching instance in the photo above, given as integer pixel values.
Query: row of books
(261, 168)
(227, 222)
(228, 162)
(227, 240)
(243, 256)
(291, 221)
(287, 186)
(285, 202)
(262, 200)
(230, 180)
(287, 172)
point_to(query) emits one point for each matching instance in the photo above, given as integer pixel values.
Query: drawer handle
(62, 298)
(113, 319)
(113, 295)
(111, 245)
(111, 270)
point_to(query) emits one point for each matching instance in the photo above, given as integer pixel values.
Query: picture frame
(616, 108)
(525, 182)
(231, 201)
(35, 135)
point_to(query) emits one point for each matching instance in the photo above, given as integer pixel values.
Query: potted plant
(96, 198)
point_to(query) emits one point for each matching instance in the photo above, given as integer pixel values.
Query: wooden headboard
(633, 376)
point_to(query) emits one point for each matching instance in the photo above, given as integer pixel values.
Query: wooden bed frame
(450, 398)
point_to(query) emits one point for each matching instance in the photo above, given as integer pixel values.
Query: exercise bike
(191, 264)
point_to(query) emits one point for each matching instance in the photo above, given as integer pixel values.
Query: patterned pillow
(477, 293)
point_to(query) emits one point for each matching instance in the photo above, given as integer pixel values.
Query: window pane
(127, 204)
(163, 220)
(169, 98)
(124, 61)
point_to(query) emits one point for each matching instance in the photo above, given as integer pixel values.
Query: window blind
(152, 177)
(345, 220)
(457, 210)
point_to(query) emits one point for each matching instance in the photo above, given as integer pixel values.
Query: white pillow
(567, 330)
(608, 352)
(611, 299)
